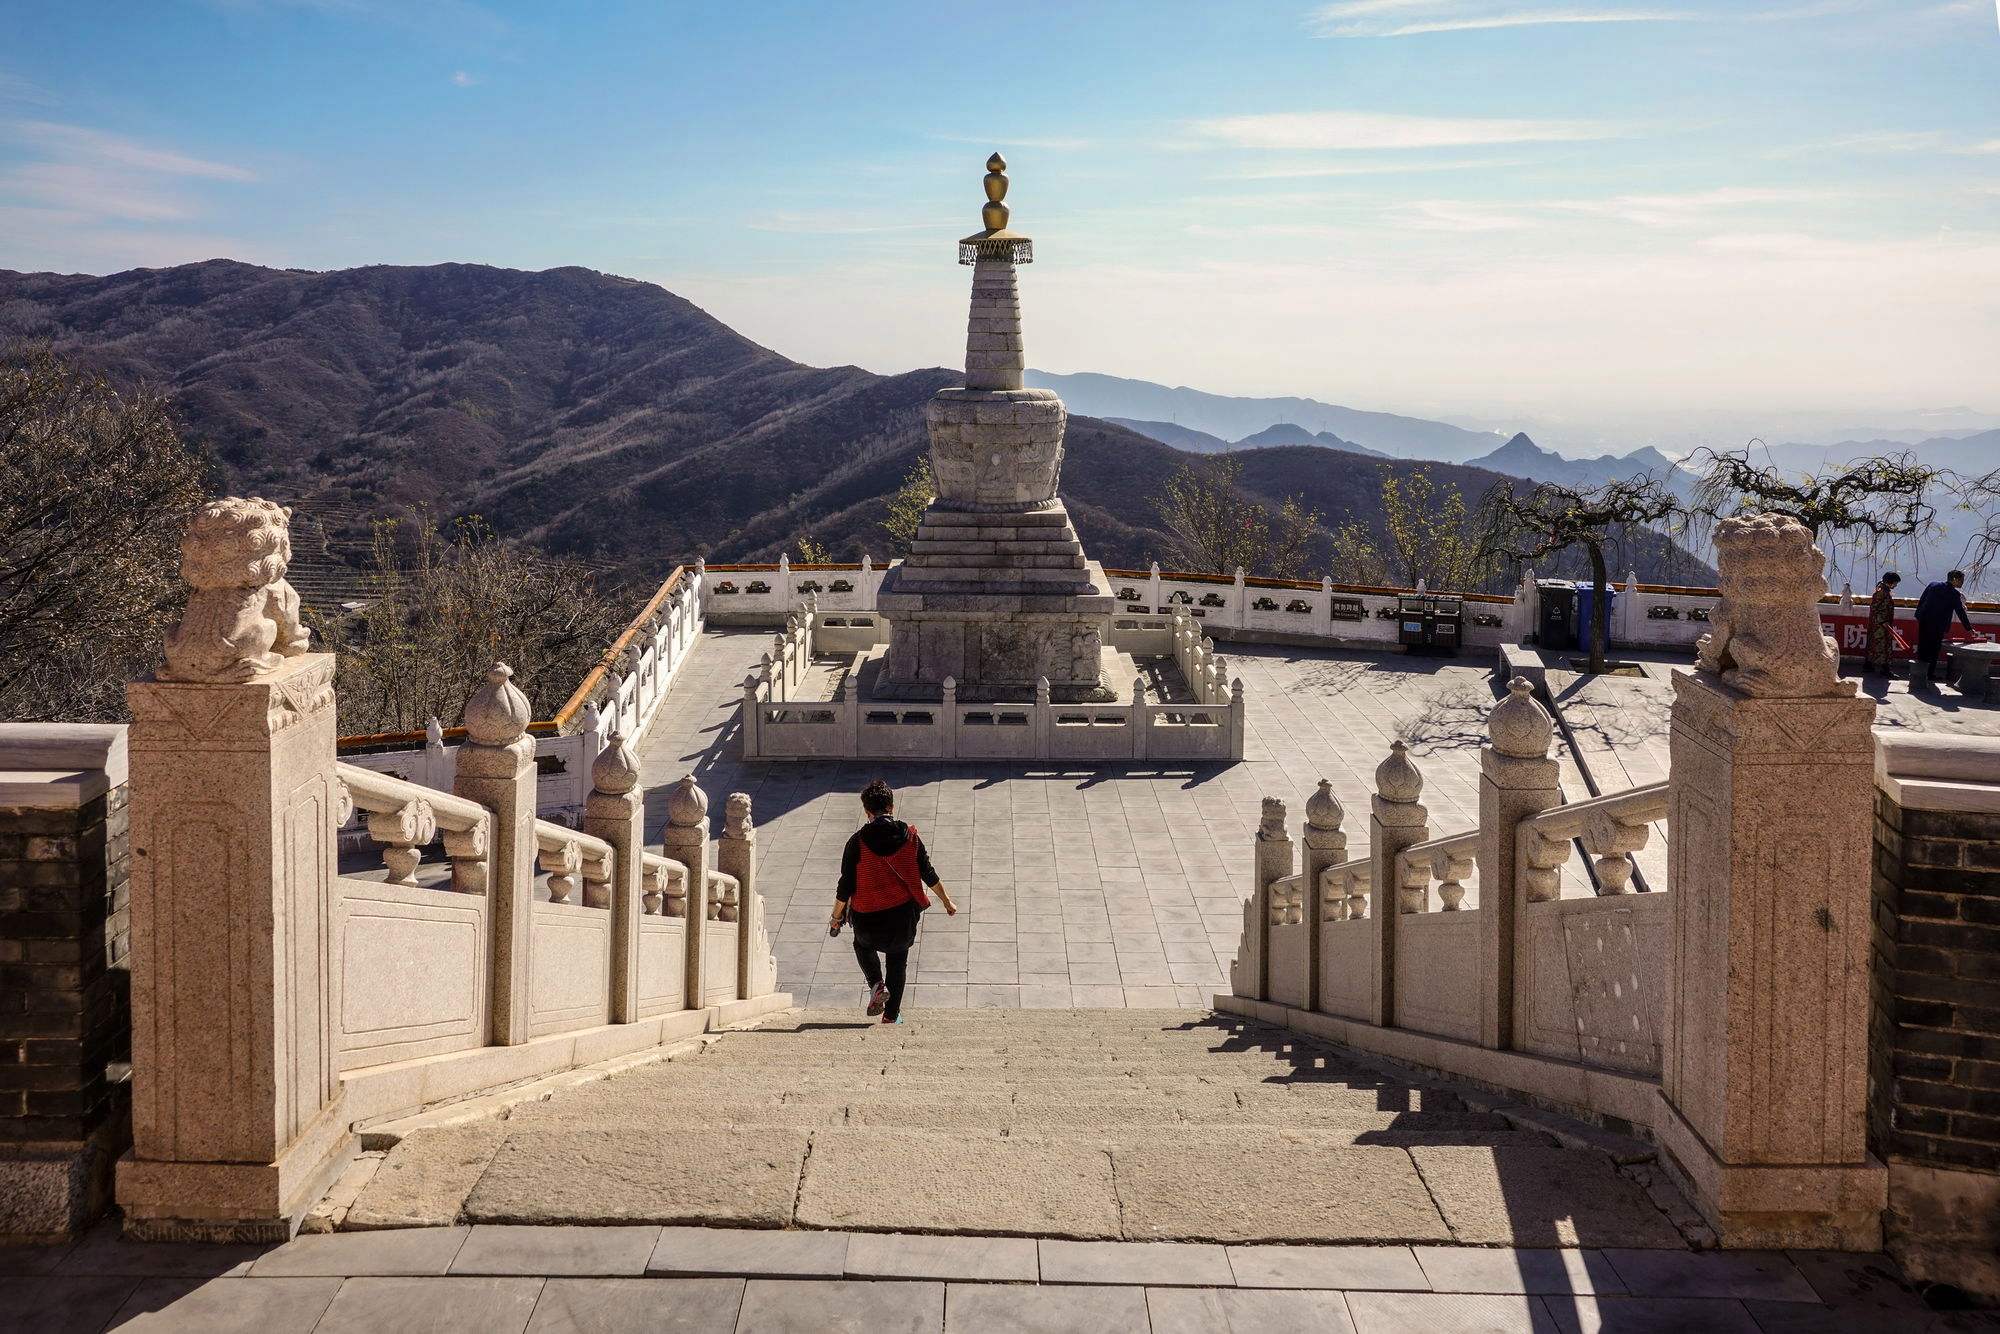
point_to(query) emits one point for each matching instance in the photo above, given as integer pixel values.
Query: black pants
(888, 969)
(1930, 644)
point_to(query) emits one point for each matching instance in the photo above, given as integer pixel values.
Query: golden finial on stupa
(996, 242)
(994, 215)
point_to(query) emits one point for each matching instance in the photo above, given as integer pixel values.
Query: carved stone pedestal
(236, 1117)
(1765, 1060)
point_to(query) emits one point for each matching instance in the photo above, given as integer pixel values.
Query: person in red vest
(883, 872)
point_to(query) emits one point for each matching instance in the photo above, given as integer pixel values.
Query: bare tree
(1526, 526)
(1215, 528)
(1980, 496)
(1866, 507)
(95, 490)
(445, 606)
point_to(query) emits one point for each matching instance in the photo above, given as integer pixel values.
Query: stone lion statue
(242, 618)
(1767, 638)
(1272, 824)
(736, 815)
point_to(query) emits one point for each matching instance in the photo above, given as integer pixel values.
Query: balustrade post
(685, 840)
(1044, 720)
(1771, 799)
(736, 854)
(496, 768)
(751, 718)
(1517, 779)
(1250, 974)
(1238, 719)
(237, 1123)
(947, 719)
(1153, 587)
(1326, 845)
(1239, 601)
(616, 813)
(1141, 718)
(1397, 820)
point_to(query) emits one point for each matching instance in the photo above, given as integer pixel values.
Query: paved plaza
(1098, 887)
(625, 1280)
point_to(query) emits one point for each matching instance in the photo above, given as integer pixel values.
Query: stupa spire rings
(996, 242)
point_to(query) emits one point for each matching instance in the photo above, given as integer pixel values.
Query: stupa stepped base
(1033, 551)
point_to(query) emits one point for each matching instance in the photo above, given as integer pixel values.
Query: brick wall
(1935, 1049)
(64, 1008)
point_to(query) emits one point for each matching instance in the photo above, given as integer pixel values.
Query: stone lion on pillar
(1767, 639)
(242, 618)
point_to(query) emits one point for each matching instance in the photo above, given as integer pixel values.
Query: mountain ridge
(588, 414)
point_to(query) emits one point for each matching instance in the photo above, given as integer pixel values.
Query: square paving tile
(638, 1306)
(982, 1308)
(1510, 1269)
(1651, 1315)
(65, 1305)
(1422, 1312)
(499, 1248)
(1240, 1311)
(225, 1305)
(1382, 1267)
(105, 1251)
(749, 1253)
(396, 1251)
(1765, 1275)
(778, 1306)
(1156, 1263)
(967, 1259)
(430, 1306)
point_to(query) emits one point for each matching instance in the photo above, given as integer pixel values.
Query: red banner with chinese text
(1851, 634)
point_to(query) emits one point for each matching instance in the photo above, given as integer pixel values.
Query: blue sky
(1593, 211)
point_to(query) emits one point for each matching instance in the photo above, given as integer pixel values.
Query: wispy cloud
(1319, 170)
(92, 175)
(14, 88)
(1894, 141)
(831, 224)
(1415, 18)
(1692, 208)
(462, 79)
(1443, 215)
(1412, 18)
(78, 143)
(1303, 131)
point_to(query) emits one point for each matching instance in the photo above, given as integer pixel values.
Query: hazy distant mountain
(1233, 418)
(1291, 433)
(1522, 457)
(590, 415)
(1974, 453)
(1173, 433)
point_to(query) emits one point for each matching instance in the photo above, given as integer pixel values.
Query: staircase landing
(1161, 1125)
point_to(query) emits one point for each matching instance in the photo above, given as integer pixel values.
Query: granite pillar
(1397, 820)
(1771, 809)
(237, 1123)
(1517, 779)
(496, 768)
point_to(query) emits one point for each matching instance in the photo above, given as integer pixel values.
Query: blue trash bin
(1586, 614)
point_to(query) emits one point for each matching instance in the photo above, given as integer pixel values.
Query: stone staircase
(1154, 1125)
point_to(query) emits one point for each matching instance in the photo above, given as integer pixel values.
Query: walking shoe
(877, 999)
(888, 1019)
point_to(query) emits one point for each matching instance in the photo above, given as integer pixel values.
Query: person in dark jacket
(1940, 602)
(883, 872)
(1882, 624)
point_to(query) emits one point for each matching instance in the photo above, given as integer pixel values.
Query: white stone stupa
(996, 593)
